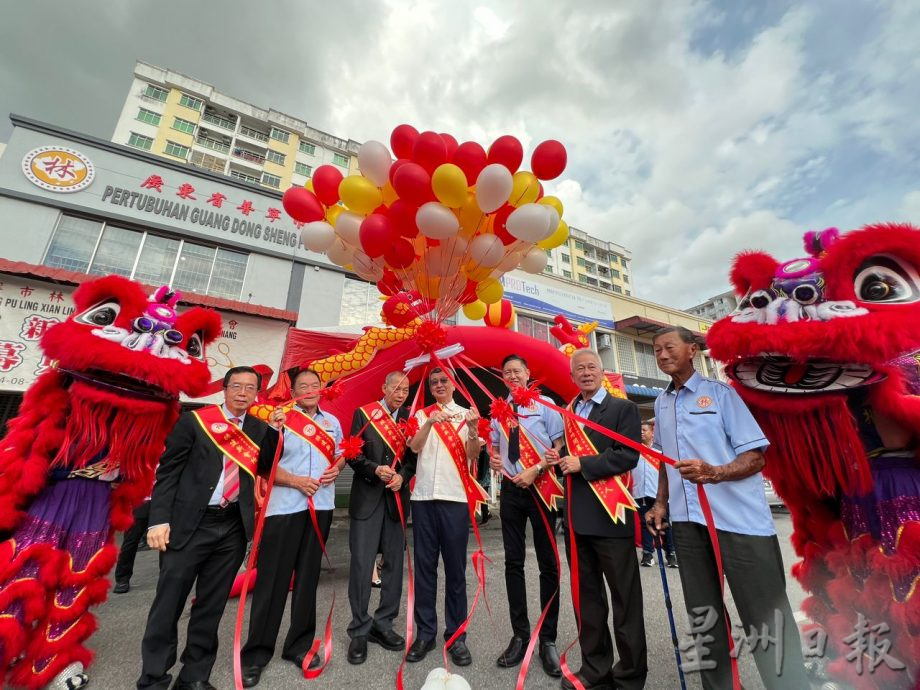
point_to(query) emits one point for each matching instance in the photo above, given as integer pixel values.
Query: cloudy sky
(694, 129)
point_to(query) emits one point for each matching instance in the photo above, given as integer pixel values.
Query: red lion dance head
(826, 351)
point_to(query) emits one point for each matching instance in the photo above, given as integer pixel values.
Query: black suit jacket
(190, 469)
(367, 490)
(588, 515)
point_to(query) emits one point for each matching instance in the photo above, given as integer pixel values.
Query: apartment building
(590, 261)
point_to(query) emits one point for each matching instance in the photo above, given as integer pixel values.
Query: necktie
(231, 476)
(514, 444)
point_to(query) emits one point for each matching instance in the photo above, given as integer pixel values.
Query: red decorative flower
(501, 412)
(430, 336)
(409, 427)
(332, 391)
(351, 447)
(525, 397)
(484, 428)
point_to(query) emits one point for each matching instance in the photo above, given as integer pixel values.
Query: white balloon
(348, 227)
(436, 221)
(437, 674)
(534, 260)
(374, 162)
(433, 685)
(317, 236)
(339, 253)
(493, 187)
(487, 250)
(456, 682)
(553, 221)
(528, 222)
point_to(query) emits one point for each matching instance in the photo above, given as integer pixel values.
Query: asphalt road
(122, 619)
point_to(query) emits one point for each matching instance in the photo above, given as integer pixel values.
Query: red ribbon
(308, 673)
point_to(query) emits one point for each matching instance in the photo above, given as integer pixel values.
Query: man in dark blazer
(375, 521)
(605, 548)
(202, 513)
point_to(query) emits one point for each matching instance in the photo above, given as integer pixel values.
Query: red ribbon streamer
(308, 673)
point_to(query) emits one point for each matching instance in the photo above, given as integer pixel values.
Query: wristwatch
(540, 470)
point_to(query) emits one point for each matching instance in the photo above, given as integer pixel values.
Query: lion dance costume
(77, 460)
(826, 351)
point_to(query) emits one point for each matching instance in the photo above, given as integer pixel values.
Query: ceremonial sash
(548, 488)
(229, 439)
(456, 448)
(654, 462)
(386, 427)
(311, 432)
(612, 492)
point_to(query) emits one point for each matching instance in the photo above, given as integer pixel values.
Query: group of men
(202, 509)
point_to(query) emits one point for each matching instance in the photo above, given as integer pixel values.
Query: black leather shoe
(460, 654)
(514, 653)
(121, 587)
(357, 650)
(567, 685)
(388, 639)
(193, 685)
(251, 675)
(550, 658)
(419, 650)
(314, 662)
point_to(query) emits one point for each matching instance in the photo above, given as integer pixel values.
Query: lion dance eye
(885, 280)
(103, 314)
(195, 347)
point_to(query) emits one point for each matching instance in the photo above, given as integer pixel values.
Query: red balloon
(508, 151)
(326, 180)
(451, 143)
(375, 234)
(469, 293)
(402, 140)
(400, 254)
(402, 218)
(429, 151)
(498, 225)
(302, 205)
(390, 284)
(548, 160)
(413, 183)
(471, 158)
(397, 164)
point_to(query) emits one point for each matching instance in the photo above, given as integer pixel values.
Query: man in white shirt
(447, 444)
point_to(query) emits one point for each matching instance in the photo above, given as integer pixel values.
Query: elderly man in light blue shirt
(703, 424)
(290, 545)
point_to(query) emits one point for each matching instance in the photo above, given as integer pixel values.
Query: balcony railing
(213, 144)
(219, 121)
(249, 156)
(253, 133)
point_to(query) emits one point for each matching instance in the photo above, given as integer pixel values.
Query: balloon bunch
(443, 220)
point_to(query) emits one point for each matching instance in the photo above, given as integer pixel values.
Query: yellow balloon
(474, 310)
(557, 239)
(449, 184)
(470, 216)
(524, 189)
(428, 286)
(477, 273)
(359, 194)
(490, 291)
(389, 194)
(309, 184)
(552, 201)
(333, 213)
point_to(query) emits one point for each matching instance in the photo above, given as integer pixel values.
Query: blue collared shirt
(301, 458)
(707, 420)
(542, 426)
(584, 407)
(218, 494)
(645, 479)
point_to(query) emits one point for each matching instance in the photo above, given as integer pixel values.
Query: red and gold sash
(386, 427)
(456, 448)
(229, 438)
(311, 432)
(612, 492)
(548, 487)
(654, 462)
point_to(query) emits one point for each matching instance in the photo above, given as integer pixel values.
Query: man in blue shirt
(645, 489)
(704, 425)
(537, 429)
(308, 467)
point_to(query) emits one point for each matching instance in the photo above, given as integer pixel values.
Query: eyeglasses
(439, 382)
(249, 388)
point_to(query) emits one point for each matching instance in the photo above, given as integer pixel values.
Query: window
(617, 289)
(604, 286)
(275, 157)
(280, 135)
(303, 169)
(271, 180)
(340, 160)
(625, 278)
(307, 147)
(583, 279)
(648, 367)
(548, 268)
(73, 244)
(194, 268)
(227, 276)
(157, 260)
(579, 245)
(566, 274)
(191, 102)
(625, 354)
(156, 93)
(360, 305)
(148, 116)
(566, 259)
(580, 261)
(253, 133)
(116, 252)
(628, 293)
(244, 177)
(184, 125)
(177, 150)
(615, 273)
(139, 141)
(535, 328)
(614, 259)
(592, 282)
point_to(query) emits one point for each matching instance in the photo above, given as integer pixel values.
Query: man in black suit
(605, 548)
(375, 522)
(202, 513)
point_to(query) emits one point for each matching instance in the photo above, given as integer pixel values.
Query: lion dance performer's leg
(56, 566)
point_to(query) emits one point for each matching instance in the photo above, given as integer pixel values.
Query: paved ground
(122, 621)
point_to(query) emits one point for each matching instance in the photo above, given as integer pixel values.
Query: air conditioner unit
(604, 341)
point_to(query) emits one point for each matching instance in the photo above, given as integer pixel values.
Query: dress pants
(753, 568)
(124, 568)
(440, 528)
(648, 545)
(613, 559)
(289, 547)
(379, 532)
(518, 506)
(212, 556)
